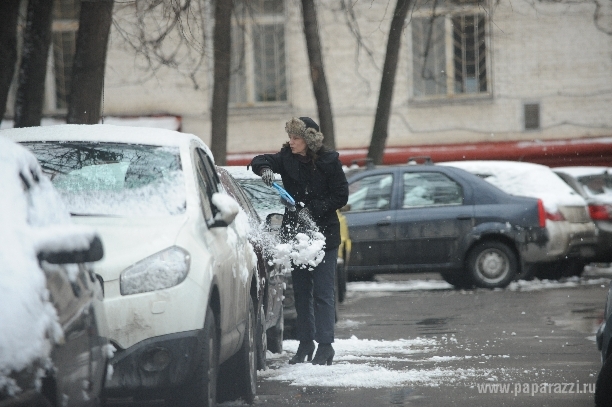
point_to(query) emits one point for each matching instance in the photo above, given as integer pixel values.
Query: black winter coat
(321, 187)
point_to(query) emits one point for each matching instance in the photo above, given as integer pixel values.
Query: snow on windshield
(114, 179)
(524, 179)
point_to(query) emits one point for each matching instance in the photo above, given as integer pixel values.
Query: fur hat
(306, 128)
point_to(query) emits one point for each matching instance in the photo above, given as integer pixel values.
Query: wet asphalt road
(520, 338)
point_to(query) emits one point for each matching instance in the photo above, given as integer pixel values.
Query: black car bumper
(154, 365)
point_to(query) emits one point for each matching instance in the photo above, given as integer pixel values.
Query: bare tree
(31, 82)
(8, 49)
(385, 96)
(317, 73)
(87, 84)
(220, 99)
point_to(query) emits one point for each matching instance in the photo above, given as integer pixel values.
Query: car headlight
(161, 270)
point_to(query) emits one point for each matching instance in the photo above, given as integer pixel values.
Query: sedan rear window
(114, 179)
(598, 184)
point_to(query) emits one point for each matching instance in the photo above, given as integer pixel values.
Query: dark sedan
(416, 218)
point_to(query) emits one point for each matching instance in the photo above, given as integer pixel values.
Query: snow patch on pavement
(353, 365)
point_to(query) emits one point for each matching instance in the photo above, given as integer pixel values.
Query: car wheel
(492, 265)
(276, 333)
(262, 338)
(341, 276)
(238, 377)
(603, 385)
(201, 391)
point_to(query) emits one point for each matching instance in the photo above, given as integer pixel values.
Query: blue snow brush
(285, 197)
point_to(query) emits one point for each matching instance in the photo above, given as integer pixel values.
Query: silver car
(572, 233)
(594, 184)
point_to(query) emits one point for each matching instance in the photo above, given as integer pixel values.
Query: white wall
(545, 52)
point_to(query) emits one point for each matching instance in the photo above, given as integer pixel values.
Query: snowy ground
(364, 363)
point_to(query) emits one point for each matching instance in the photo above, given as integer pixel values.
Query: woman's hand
(267, 176)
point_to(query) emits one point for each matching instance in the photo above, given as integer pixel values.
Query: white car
(53, 350)
(179, 273)
(572, 233)
(594, 184)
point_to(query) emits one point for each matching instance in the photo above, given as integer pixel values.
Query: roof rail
(415, 160)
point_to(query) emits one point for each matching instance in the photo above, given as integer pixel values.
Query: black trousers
(314, 292)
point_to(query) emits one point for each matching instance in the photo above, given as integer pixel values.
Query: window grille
(258, 53)
(450, 55)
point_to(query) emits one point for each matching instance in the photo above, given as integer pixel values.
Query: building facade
(470, 74)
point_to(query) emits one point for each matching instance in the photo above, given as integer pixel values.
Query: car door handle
(464, 217)
(385, 222)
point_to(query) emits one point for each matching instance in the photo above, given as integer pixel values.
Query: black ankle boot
(325, 354)
(305, 349)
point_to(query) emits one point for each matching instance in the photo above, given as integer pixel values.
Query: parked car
(179, 274)
(266, 202)
(572, 233)
(53, 349)
(270, 320)
(603, 385)
(594, 184)
(426, 217)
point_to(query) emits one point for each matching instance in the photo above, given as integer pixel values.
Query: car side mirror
(345, 208)
(95, 252)
(274, 221)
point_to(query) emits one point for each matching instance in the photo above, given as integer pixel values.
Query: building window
(63, 43)
(450, 54)
(258, 53)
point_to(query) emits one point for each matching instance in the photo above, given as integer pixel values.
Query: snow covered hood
(128, 240)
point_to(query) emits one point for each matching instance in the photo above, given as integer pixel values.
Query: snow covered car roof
(104, 133)
(583, 171)
(525, 179)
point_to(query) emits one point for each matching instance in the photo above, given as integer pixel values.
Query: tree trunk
(383, 109)
(33, 69)
(222, 52)
(317, 73)
(87, 83)
(8, 49)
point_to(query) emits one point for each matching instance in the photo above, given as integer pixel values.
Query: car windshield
(597, 184)
(265, 199)
(114, 179)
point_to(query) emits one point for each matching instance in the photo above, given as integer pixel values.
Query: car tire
(341, 276)
(201, 390)
(603, 385)
(492, 264)
(457, 278)
(238, 378)
(262, 337)
(276, 333)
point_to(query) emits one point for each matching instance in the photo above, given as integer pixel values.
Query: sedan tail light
(599, 212)
(541, 214)
(556, 216)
